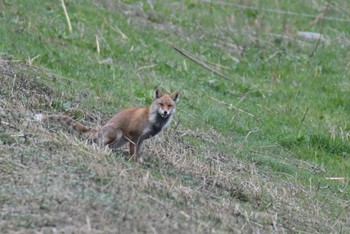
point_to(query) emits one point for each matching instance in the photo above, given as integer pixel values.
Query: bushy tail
(66, 121)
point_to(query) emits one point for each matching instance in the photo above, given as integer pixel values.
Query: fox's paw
(140, 160)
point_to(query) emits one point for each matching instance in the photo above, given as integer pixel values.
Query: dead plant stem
(199, 62)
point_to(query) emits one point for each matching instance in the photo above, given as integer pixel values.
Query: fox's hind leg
(113, 137)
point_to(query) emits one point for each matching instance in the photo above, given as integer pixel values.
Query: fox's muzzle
(164, 114)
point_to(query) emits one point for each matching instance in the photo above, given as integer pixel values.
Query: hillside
(259, 143)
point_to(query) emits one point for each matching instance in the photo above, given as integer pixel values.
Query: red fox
(132, 125)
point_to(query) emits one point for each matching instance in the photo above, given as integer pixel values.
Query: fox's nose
(165, 112)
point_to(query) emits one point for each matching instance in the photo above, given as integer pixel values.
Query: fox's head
(166, 103)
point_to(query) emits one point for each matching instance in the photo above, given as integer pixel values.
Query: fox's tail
(66, 121)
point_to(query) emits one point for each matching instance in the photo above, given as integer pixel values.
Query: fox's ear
(158, 93)
(175, 96)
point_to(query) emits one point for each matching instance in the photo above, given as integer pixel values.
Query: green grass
(284, 107)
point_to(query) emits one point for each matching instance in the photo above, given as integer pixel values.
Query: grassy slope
(222, 169)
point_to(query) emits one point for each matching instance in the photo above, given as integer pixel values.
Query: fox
(132, 125)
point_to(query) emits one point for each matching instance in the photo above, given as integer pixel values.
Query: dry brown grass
(52, 181)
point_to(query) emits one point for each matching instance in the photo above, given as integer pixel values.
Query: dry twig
(67, 16)
(320, 17)
(97, 44)
(199, 62)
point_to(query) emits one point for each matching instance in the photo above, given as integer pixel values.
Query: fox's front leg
(139, 145)
(131, 148)
(136, 157)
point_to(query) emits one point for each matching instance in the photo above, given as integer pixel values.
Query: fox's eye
(161, 104)
(170, 106)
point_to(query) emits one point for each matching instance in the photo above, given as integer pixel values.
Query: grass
(252, 152)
